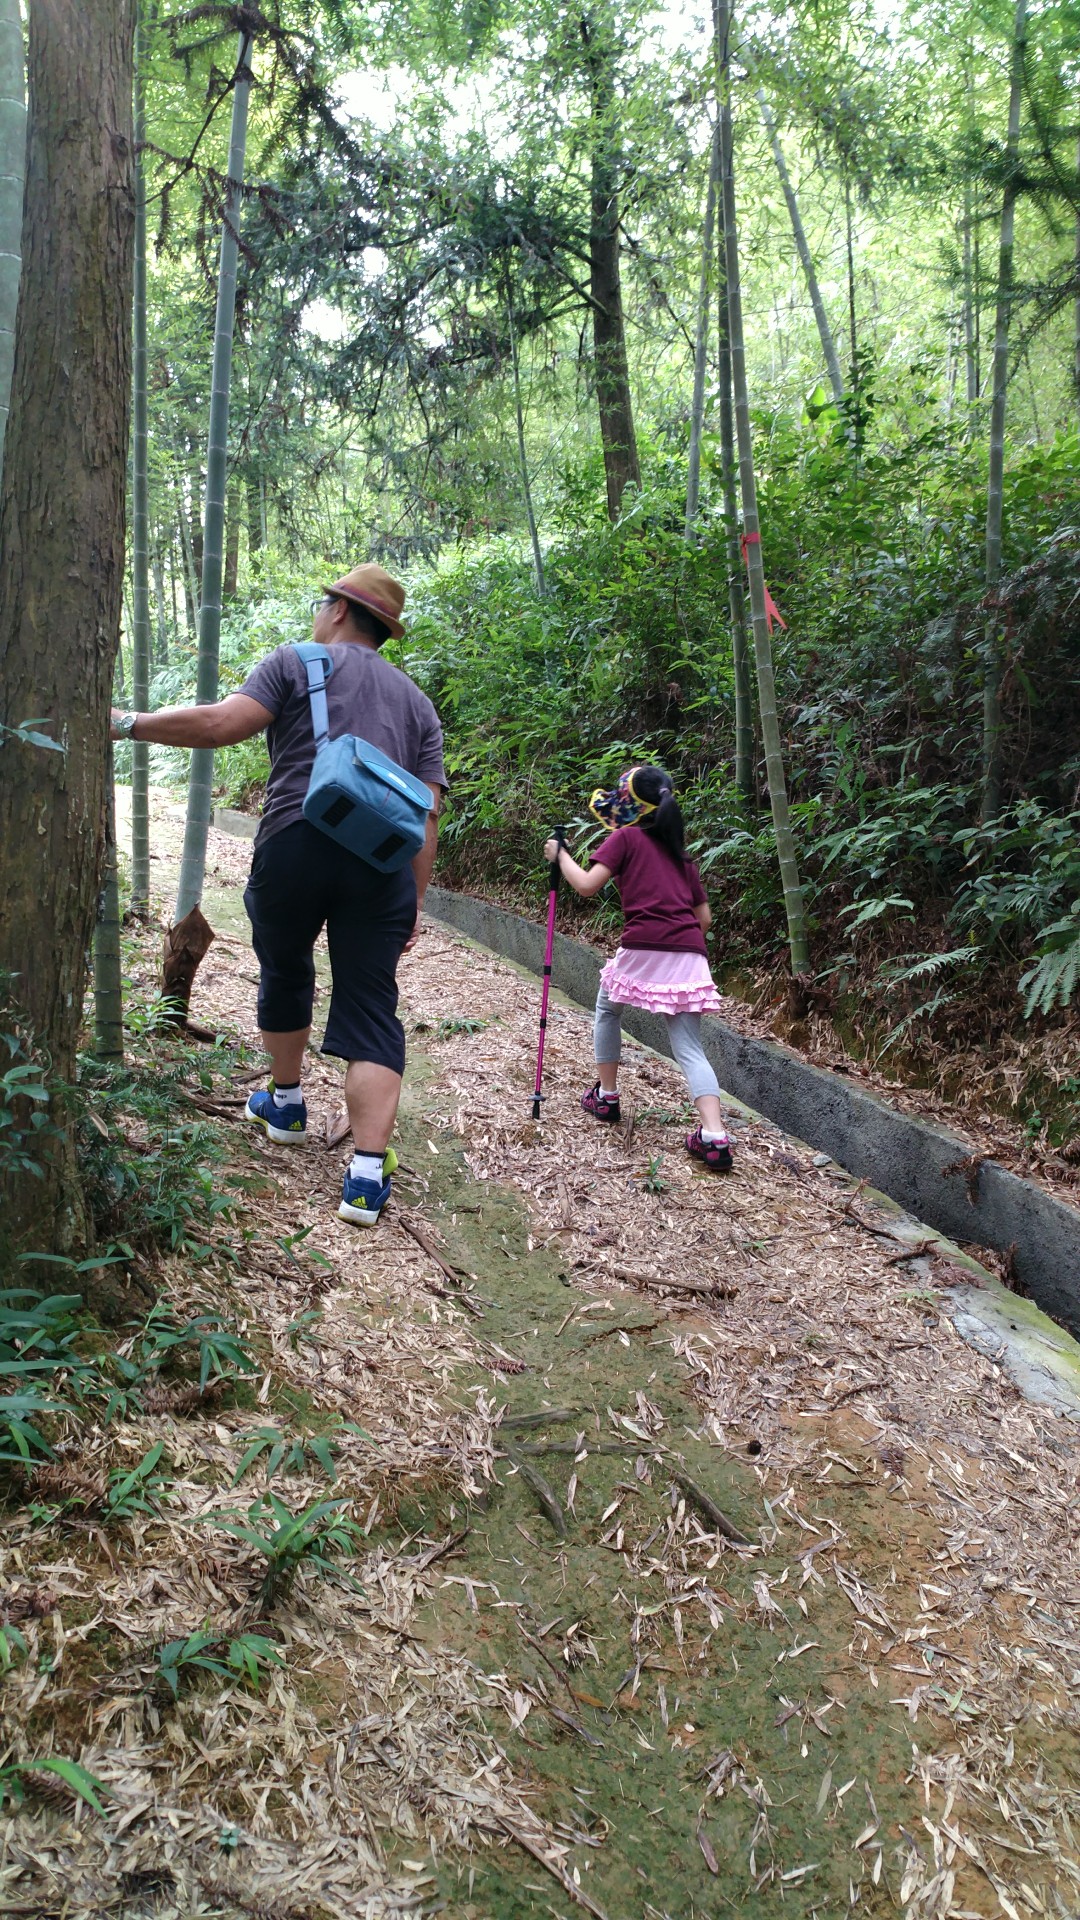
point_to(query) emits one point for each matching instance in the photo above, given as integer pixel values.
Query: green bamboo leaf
(82, 1783)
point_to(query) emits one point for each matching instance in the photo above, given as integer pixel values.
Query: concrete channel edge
(922, 1168)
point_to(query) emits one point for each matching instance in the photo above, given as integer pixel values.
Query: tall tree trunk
(191, 579)
(62, 536)
(108, 980)
(232, 545)
(701, 342)
(12, 168)
(802, 247)
(621, 465)
(740, 656)
(200, 782)
(523, 464)
(853, 332)
(196, 504)
(255, 532)
(140, 515)
(160, 620)
(991, 734)
(1076, 302)
(971, 359)
(794, 906)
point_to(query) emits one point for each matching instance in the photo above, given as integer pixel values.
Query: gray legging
(684, 1034)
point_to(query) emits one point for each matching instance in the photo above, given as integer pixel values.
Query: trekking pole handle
(560, 835)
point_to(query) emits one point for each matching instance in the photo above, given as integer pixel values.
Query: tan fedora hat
(372, 587)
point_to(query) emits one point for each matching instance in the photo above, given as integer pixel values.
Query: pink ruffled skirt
(660, 981)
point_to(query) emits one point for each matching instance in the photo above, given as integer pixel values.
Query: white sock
(367, 1166)
(287, 1096)
(720, 1138)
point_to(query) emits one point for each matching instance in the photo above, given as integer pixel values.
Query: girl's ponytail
(665, 823)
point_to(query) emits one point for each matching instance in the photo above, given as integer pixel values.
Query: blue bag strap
(319, 667)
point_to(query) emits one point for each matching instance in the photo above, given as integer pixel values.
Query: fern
(1055, 975)
(925, 965)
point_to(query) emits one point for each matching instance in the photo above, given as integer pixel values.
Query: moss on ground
(622, 1738)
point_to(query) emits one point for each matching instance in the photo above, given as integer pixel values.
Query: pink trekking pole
(549, 949)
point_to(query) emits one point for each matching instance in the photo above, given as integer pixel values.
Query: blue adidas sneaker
(362, 1201)
(286, 1125)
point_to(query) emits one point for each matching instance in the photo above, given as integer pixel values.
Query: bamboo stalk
(701, 344)
(740, 657)
(523, 464)
(1076, 302)
(140, 582)
(802, 246)
(200, 780)
(992, 729)
(794, 905)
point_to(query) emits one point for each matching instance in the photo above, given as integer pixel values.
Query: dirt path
(572, 1366)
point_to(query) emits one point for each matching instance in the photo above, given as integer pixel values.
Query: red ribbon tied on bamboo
(772, 612)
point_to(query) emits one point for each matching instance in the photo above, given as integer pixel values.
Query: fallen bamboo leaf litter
(814, 1314)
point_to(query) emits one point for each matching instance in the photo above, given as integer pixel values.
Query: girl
(662, 963)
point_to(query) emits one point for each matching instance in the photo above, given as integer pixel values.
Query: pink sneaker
(602, 1106)
(714, 1154)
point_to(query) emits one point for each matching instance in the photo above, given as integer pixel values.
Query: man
(301, 880)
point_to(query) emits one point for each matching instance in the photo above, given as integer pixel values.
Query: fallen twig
(559, 1873)
(551, 1417)
(706, 1505)
(538, 1486)
(452, 1274)
(702, 1289)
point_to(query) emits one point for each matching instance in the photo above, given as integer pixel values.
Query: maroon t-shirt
(658, 894)
(364, 695)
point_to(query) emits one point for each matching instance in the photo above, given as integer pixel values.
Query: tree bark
(140, 516)
(992, 729)
(108, 982)
(740, 657)
(12, 167)
(200, 779)
(62, 536)
(701, 342)
(770, 724)
(611, 368)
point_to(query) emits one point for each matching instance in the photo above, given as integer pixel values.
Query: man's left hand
(414, 935)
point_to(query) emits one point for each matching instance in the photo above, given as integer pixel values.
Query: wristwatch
(125, 726)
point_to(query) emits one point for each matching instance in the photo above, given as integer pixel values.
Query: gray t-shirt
(365, 695)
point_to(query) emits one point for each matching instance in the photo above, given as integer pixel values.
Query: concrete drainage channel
(905, 1160)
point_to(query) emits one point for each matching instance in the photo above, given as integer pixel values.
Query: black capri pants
(301, 881)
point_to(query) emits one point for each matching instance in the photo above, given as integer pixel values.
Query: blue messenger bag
(357, 795)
